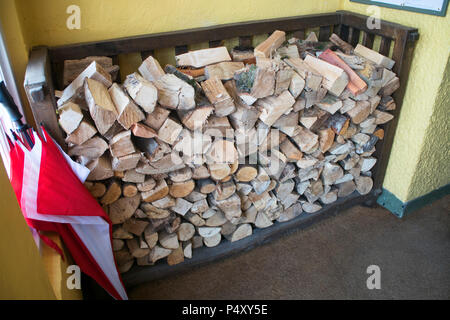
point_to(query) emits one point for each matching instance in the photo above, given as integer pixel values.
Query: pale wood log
(135, 226)
(176, 256)
(213, 240)
(168, 240)
(204, 57)
(222, 152)
(346, 188)
(169, 131)
(129, 190)
(96, 189)
(200, 206)
(283, 77)
(121, 145)
(142, 91)
(70, 116)
(312, 77)
(363, 184)
(165, 202)
(157, 118)
(82, 133)
(219, 171)
(374, 56)
(150, 69)
(246, 173)
(311, 207)
(200, 172)
(117, 244)
(113, 192)
(330, 104)
(244, 117)
(100, 169)
(206, 186)
(263, 84)
(123, 256)
(356, 85)
(231, 206)
(195, 219)
(143, 131)
(74, 91)
(274, 107)
(160, 191)
(120, 233)
(224, 190)
(101, 107)
(288, 123)
(326, 139)
(223, 70)
(127, 162)
(150, 236)
(181, 206)
(297, 85)
(290, 213)
(174, 93)
(91, 149)
(262, 220)
(306, 140)
(291, 152)
(360, 112)
(181, 189)
(241, 232)
(123, 208)
(268, 46)
(128, 112)
(195, 119)
(382, 117)
(335, 79)
(187, 250)
(158, 253)
(218, 96)
(181, 175)
(329, 197)
(216, 220)
(192, 143)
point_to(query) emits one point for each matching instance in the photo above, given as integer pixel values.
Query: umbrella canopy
(49, 188)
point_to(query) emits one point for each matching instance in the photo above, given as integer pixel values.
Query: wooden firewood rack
(45, 69)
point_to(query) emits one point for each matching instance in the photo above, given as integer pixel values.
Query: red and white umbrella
(49, 188)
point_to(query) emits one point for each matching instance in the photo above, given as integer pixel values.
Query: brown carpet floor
(329, 261)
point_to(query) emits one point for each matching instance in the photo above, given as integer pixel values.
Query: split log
(224, 190)
(129, 190)
(135, 226)
(174, 93)
(127, 162)
(181, 206)
(204, 57)
(91, 149)
(150, 69)
(176, 256)
(356, 85)
(121, 144)
(374, 56)
(82, 133)
(169, 131)
(206, 186)
(70, 117)
(241, 232)
(158, 253)
(181, 175)
(262, 221)
(195, 119)
(274, 107)
(218, 96)
(216, 220)
(268, 46)
(143, 131)
(326, 139)
(213, 240)
(96, 189)
(157, 118)
(142, 91)
(123, 208)
(311, 207)
(187, 250)
(160, 191)
(100, 169)
(113, 193)
(297, 85)
(181, 189)
(72, 68)
(135, 250)
(101, 107)
(219, 171)
(128, 112)
(222, 152)
(231, 207)
(246, 173)
(360, 112)
(335, 79)
(363, 184)
(223, 70)
(346, 188)
(313, 79)
(306, 140)
(74, 91)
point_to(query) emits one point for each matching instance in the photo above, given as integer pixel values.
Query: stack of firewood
(225, 142)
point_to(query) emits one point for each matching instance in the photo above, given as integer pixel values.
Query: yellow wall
(410, 156)
(22, 272)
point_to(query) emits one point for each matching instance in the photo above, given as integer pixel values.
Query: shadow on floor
(329, 261)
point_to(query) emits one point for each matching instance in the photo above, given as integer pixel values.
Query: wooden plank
(353, 37)
(368, 39)
(324, 33)
(40, 92)
(385, 46)
(190, 36)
